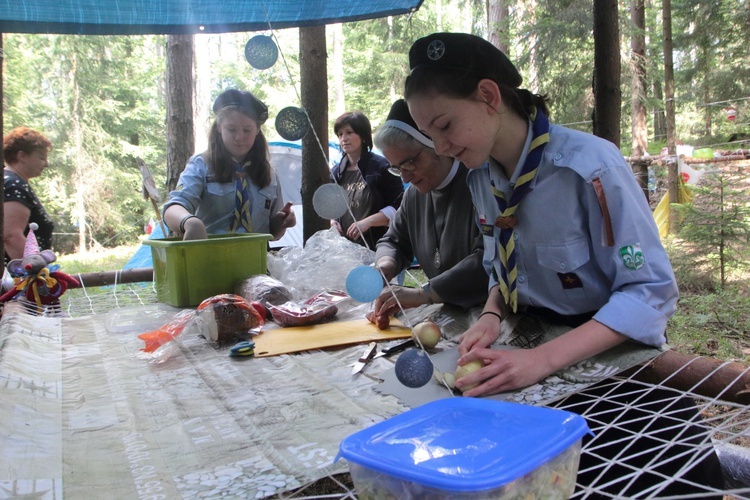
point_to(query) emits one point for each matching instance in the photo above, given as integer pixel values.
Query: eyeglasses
(407, 166)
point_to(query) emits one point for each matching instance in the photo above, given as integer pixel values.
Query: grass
(109, 259)
(709, 321)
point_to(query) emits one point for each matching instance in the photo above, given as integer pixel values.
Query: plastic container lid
(464, 444)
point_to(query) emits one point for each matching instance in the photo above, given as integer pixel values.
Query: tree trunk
(80, 157)
(639, 118)
(339, 99)
(202, 92)
(707, 122)
(180, 127)
(314, 94)
(607, 93)
(530, 14)
(673, 186)
(660, 119)
(497, 24)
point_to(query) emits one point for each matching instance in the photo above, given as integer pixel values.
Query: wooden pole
(713, 378)
(106, 278)
(672, 168)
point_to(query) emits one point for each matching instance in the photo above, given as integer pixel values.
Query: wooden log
(713, 378)
(105, 278)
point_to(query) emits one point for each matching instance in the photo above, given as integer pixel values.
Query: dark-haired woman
(231, 187)
(568, 237)
(374, 195)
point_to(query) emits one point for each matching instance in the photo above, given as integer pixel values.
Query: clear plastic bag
(323, 264)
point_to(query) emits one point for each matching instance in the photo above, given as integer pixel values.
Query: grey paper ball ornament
(261, 52)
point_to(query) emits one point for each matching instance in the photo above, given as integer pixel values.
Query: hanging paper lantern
(364, 283)
(329, 201)
(261, 52)
(292, 123)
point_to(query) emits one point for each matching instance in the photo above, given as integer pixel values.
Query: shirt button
(558, 156)
(515, 236)
(562, 265)
(521, 279)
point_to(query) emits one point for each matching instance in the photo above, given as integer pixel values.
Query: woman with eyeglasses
(373, 194)
(435, 223)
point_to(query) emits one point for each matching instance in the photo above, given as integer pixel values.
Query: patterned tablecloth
(84, 416)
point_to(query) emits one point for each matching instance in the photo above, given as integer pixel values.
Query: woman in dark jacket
(373, 194)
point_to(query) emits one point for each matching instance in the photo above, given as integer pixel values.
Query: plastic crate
(187, 272)
(468, 448)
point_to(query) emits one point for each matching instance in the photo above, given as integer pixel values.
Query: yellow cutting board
(334, 334)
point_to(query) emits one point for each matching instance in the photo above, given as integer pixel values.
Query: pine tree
(716, 225)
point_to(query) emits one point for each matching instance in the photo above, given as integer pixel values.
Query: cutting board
(334, 334)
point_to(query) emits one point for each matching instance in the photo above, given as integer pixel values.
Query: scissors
(369, 354)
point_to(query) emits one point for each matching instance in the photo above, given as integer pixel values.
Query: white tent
(286, 158)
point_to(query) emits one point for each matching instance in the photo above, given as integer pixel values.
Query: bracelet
(426, 289)
(184, 220)
(493, 314)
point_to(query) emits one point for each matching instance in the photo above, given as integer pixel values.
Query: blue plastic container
(462, 448)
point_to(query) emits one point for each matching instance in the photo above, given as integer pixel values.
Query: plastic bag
(323, 264)
(264, 289)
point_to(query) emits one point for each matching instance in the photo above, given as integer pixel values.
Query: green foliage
(100, 100)
(716, 225)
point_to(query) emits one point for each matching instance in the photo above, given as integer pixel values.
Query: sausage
(293, 314)
(380, 320)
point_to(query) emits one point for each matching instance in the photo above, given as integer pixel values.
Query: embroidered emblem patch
(435, 50)
(487, 229)
(570, 280)
(632, 256)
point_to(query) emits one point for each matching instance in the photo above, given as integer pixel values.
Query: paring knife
(367, 355)
(394, 349)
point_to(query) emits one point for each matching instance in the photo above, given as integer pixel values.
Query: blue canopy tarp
(137, 17)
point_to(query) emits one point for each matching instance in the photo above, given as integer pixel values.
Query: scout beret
(463, 52)
(400, 118)
(243, 100)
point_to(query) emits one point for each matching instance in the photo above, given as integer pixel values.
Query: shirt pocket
(221, 197)
(564, 260)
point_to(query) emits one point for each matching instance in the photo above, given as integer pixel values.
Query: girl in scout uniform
(568, 235)
(231, 187)
(568, 232)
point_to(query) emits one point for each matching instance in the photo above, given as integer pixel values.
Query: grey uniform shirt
(213, 202)
(564, 260)
(461, 279)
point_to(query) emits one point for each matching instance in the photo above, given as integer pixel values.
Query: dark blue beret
(243, 100)
(463, 52)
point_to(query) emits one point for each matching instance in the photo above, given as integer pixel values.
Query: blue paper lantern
(414, 368)
(364, 284)
(261, 52)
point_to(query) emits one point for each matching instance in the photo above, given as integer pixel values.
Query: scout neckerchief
(242, 216)
(507, 219)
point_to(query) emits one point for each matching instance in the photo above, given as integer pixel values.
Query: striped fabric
(508, 219)
(242, 214)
